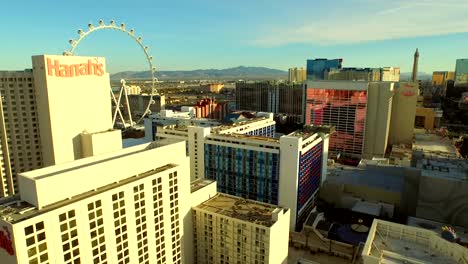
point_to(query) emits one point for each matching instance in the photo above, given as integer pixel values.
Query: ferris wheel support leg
(116, 107)
(128, 104)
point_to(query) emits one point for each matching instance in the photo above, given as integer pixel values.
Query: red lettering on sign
(54, 68)
(408, 93)
(5, 241)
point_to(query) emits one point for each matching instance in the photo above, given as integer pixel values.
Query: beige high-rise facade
(20, 147)
(228, 229)
(297, 75)
(45, 115)
(123, 207)
(72, 96)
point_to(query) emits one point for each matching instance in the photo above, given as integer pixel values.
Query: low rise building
(209, 108)
(211, 87)
(141, 104)
(229, 229)
(389, 242)
(428, 118)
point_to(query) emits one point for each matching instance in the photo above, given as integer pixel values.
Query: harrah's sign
(55, 68)
(5, 241)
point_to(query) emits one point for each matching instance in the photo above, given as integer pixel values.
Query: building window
(69, 233)
(96, 228)
(36, 243)
(141, 229)
(120, 224)
(158, 219)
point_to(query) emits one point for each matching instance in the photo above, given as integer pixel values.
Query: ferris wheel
(120, 103)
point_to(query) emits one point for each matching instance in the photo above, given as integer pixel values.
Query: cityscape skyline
(188, 36)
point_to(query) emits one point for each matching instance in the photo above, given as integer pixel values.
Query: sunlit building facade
(20, 148)
(366, 115)
(229, 229)
(128, 214)
(247, 160)
(344, 109)
(296, 75)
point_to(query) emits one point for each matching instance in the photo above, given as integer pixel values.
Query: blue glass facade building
(316, 68)
(309, 178)
(461, 73)
(242, 172)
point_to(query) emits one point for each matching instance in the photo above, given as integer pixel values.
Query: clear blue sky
(186, 35)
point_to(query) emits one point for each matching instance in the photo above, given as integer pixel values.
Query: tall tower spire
(414, 76)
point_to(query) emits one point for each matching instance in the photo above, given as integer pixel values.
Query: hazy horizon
(208, 34)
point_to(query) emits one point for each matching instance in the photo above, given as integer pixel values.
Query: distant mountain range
(241, 72)
(405, 76)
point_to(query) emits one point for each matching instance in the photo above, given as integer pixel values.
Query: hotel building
(20, 148)
(42, 118)
(101, 210)
(367, 115)
(229, 229)
(297, 75)
(277, 98)
(247, 160)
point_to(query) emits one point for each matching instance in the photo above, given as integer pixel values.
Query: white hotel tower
(123, 207)
(95, 202)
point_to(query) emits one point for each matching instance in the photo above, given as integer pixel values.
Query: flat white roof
(52, 184)
(389, 242)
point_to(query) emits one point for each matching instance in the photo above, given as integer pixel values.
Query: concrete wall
(443, 200)
(279, 238)
(100, 143)
(289, 170)
(403, 113)
(196, 198)
(379, 107)
(196, 139)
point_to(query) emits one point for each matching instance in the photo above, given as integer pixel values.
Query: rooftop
(199, 184)
(84, 175)
(13, 209)
(452, 168)
(461, 232)
(389, 178)
(242, 136)
(433, 143)
(246, 210)
(310, 130)
(395, 243)
(245, 122)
